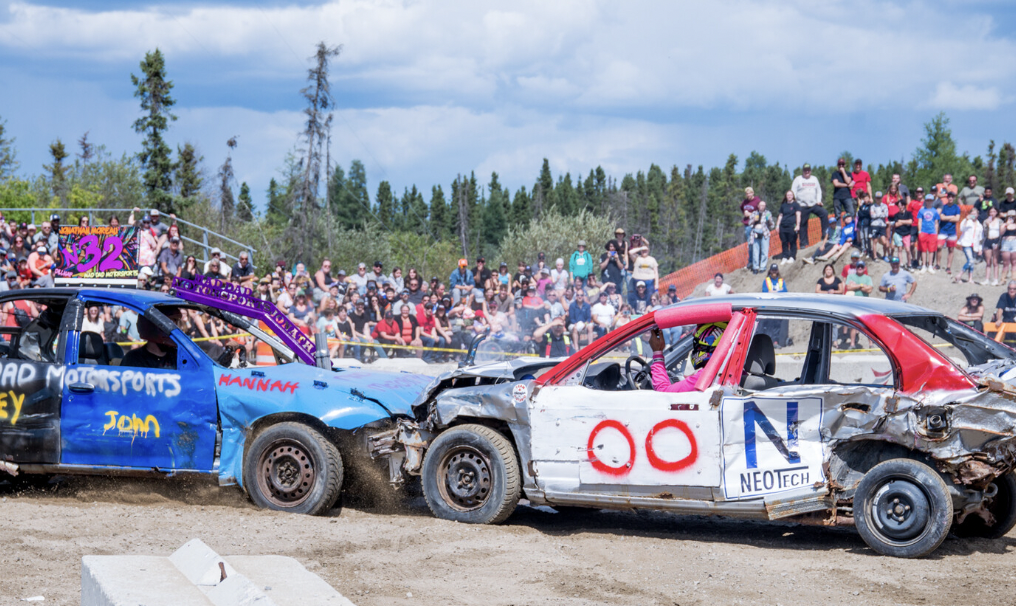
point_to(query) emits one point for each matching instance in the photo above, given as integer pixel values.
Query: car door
(123, 416)
(593, 434)
(774, 432)
(30, 368)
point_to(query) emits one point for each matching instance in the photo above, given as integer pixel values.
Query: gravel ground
(538, 556)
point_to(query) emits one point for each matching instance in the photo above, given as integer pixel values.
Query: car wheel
(291, 467)
(1002, 508)
(902, 509)
(471, 475)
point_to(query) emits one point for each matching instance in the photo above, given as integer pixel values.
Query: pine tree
(494, 221)
(441, 222)
(319, 99)
(276, 211)
(386, 205)
(356, 185)
(521, 211)
(990, 174)
(8, 155)
(153, 89)
(58, 172)
(543, 191)
(565, 196)
(188, 177)
(244, 206)
(1006, 168)
(937, 154)
(349, 213)
(418, 222)
(87, 152)
(226, 202)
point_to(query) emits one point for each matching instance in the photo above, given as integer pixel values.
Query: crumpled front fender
(345, 400)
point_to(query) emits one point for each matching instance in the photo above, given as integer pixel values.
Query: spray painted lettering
(15, 401)
(120, 381)
(14, 374)
(255, 384)
(132, 425)
(655, 461)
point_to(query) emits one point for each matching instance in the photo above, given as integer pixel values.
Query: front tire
(471, 475)
(291, 467)
(1002, 508)
(902, 509)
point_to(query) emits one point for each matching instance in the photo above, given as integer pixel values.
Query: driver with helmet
(707, 337)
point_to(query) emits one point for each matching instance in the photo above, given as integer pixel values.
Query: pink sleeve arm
(661, 382)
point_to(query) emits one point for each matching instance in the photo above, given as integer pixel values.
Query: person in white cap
(144, 275)
(216, 254)
(1008, 203)
(158, 226)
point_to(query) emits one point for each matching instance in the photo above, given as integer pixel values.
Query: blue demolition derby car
(72, 401)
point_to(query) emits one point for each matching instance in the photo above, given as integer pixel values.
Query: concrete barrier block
(134, 580)
(286, 582)
(193, 576)
(199, 563)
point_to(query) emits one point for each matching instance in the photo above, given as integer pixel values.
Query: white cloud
(592, 54)
(476, 86)
(950, 96)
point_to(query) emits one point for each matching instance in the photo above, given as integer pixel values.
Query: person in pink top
(707, 337)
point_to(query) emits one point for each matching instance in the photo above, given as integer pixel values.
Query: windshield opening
(958, 342)
(229, 340)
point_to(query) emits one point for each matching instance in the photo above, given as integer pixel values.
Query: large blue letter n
(753, 416)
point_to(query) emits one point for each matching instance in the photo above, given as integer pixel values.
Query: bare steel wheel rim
(286, 473)
(900, 510)
(464, 478)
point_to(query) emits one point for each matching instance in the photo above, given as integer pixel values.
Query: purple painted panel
(241, 301)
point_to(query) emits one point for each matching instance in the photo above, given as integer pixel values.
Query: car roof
(843, 305)
(128, 296)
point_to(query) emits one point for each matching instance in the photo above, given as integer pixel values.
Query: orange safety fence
(1000, 330)
(687, 278)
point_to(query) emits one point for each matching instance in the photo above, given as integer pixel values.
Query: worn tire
(471, 475)
(902, 509)
(1002, 507)
(292, 467)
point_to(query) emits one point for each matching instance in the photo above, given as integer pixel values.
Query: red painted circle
(599, 465)
(680, 464)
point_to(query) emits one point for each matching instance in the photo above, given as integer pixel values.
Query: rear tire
(471, 475)
(902, 509)
(1002, 507)
(291, 467)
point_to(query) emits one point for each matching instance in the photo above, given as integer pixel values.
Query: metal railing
(205, 232)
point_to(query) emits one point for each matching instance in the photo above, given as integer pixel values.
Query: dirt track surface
(379, 557)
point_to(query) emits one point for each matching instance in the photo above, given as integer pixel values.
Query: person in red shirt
(861, 179)
(429, 336)
(388, 331)
(913, 207)
(855, 257)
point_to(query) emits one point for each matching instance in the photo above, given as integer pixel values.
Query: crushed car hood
(494, 372)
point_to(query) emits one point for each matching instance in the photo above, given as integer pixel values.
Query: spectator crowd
(915, 231)
(370, 311)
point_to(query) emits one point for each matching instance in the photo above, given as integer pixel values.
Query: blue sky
(430, 89)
